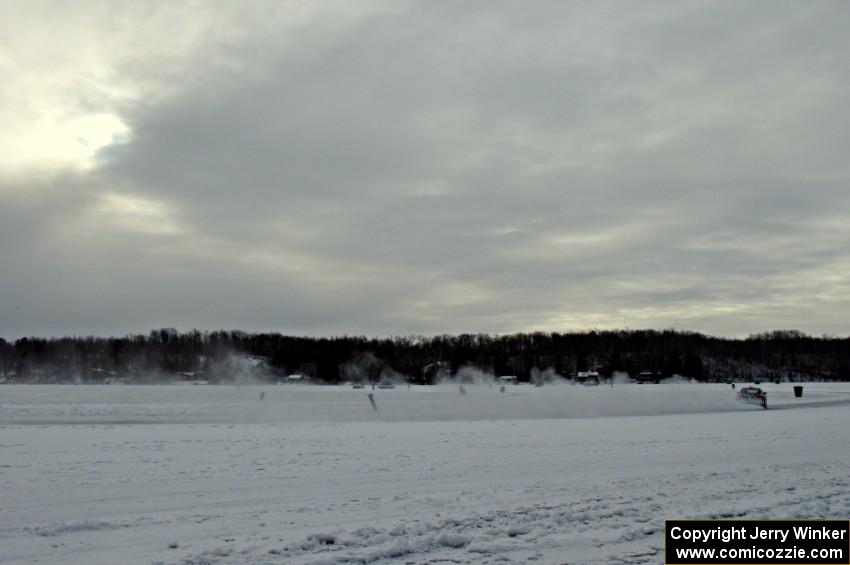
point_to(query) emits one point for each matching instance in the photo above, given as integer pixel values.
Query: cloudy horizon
(396, 168)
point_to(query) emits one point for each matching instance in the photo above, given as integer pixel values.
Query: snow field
(230, 486)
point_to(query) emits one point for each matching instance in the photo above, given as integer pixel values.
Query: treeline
(167, 354)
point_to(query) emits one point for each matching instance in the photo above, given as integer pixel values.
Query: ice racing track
(559, 474)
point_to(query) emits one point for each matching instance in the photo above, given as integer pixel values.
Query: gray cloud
(430, 167)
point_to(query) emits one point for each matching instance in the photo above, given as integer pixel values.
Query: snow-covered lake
(557, 474)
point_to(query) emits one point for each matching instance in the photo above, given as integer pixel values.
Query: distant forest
(231, 356)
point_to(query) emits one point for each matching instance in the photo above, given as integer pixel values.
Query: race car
(753, 395)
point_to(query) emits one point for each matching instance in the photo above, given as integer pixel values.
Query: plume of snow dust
(388, 374)
(468, 375)
(367, 368)
(361, 368)
(548, 377)
(621, 378)
(243, 369)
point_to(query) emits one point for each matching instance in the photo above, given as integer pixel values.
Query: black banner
(757, 542)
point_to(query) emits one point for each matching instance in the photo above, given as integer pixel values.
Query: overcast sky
(388, 168)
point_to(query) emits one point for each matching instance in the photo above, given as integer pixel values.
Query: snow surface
(309, 475)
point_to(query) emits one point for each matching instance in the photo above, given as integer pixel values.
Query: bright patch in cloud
(55, 140)
(136, 214)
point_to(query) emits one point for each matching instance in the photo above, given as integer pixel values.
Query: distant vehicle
(648, 377)
(385, 384)
(753, 395)
(358, 385)
(587, 378)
